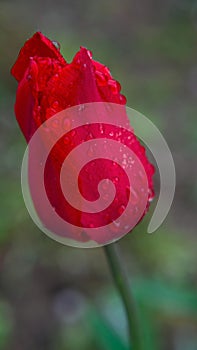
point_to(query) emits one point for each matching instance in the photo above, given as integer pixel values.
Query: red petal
(75, 84)
(38, 45)
(28, 111)
(24, 108)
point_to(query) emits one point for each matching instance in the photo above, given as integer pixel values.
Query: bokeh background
(54, 297)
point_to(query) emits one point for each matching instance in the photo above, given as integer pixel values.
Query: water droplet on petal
(151, 195)
(90, 152)
(100, 78)
(101, 129)
(90, 136)
(104, 184)
(134, 196)
(55, 104)
(78, 61)
(115, 165)
(56, 44)
(73, 133)
(113, 85)
(115, 180)
(66, 124)
(89, 54)
(114, 227)
(81, 108)
(106, 197)
(123, 99)
(121, 209)
(55, 123)
(66, 140)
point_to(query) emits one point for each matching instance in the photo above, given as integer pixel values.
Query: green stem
(121, 281)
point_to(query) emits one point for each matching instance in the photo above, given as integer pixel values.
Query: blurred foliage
(54, 297)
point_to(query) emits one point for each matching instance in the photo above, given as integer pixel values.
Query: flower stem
(121, 282)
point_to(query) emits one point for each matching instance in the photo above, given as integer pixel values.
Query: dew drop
(104, 184)
(89, 54)
(114, 227)
(66, 124)
(121, 209)
(115, 165)
(134, 196)
(90, 151)
(101, 129)
(55, 123)
(105, 197)
(73, 133)
(115, 179)
(90, 136)
(117, 224)
(123, 99)
(113, 85)
(56, 44)
(151, 195)
(81, 108)
(131, 160)
(100, 78)
(55, 104)
(66, 140)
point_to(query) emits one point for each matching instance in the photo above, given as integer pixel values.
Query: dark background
(55, 297)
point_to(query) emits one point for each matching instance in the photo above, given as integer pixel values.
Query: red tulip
(48, 85)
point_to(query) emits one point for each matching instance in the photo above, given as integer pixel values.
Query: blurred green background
(54, 297)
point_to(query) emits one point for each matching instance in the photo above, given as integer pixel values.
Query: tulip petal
(40, 46)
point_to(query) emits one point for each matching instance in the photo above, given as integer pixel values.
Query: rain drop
(101, 129)
(115, 179)
(123, 99)
(121, 209)
(81, 108)
(66, 124)
(56, 44)
(113, 85)
(73, 133)
(66, 140)
(55, 104)
(55, 123)
(90, 151)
